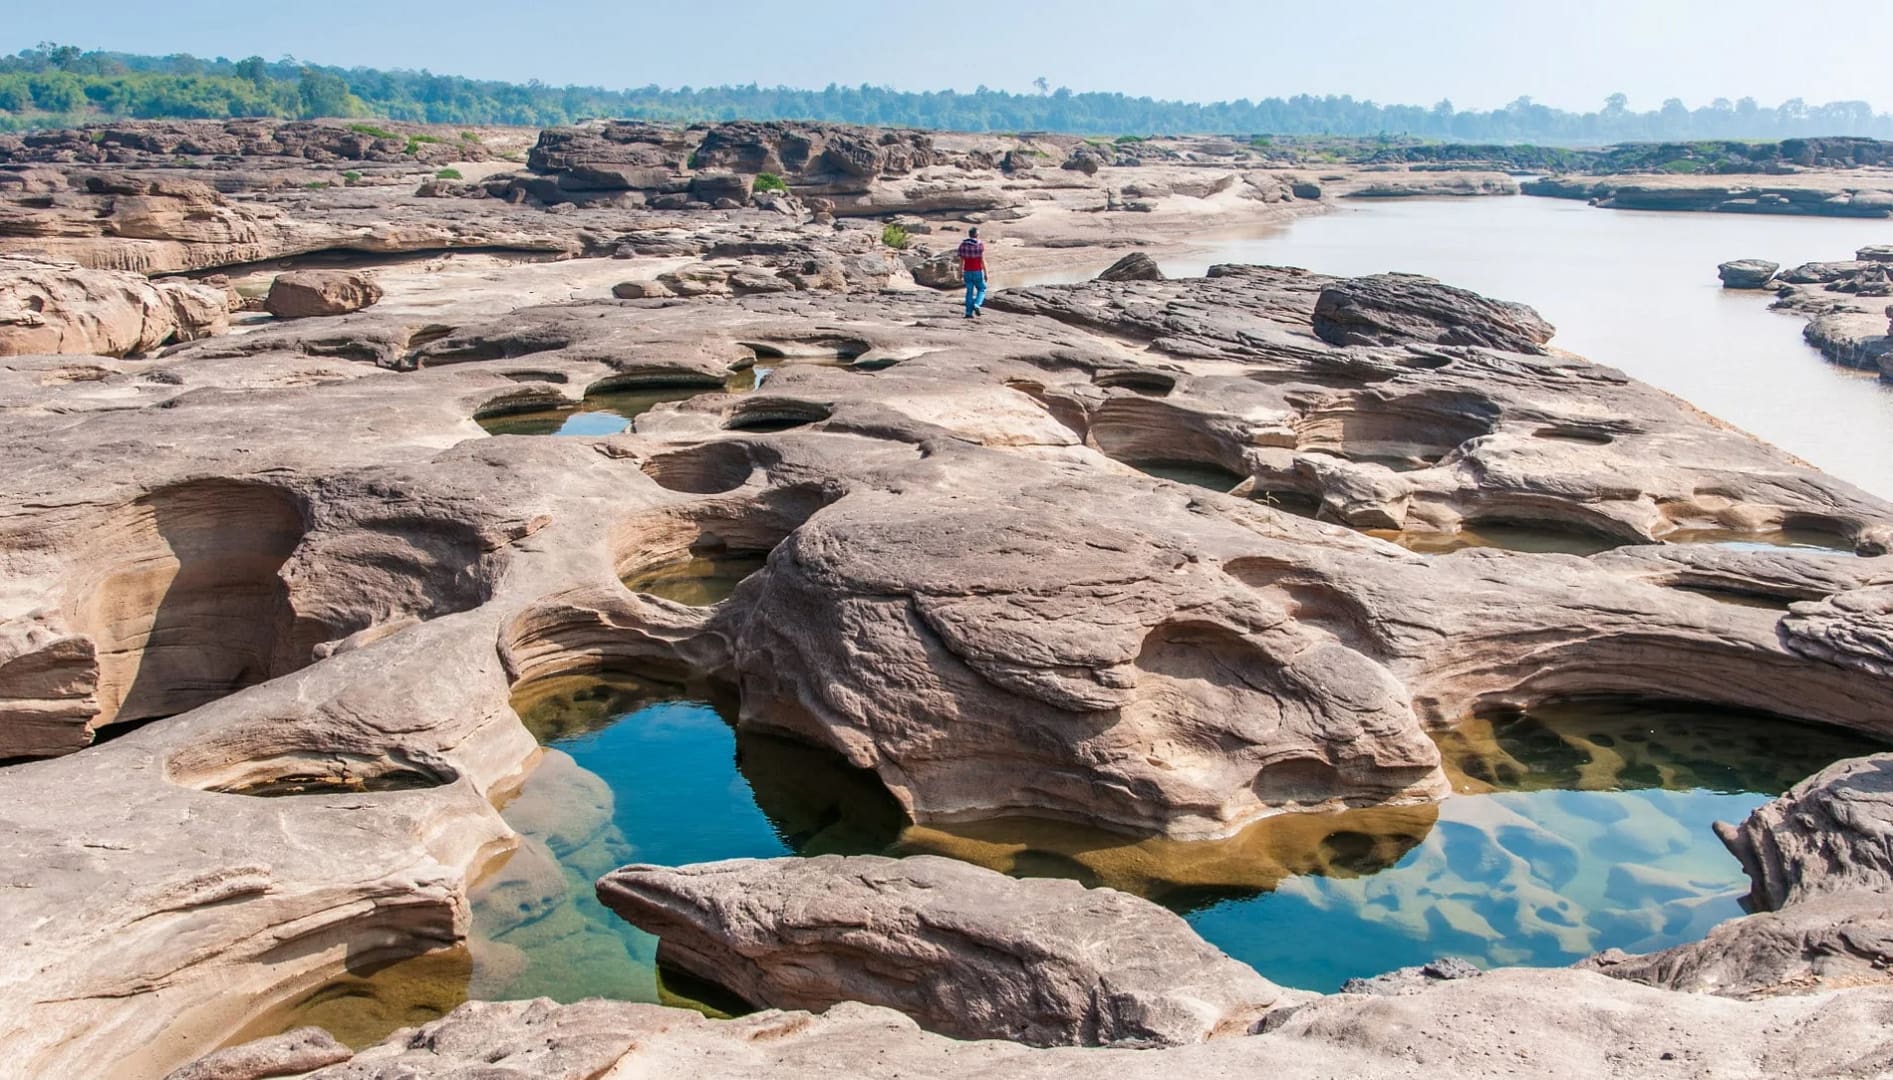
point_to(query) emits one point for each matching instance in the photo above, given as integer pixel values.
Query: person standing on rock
(972, 258)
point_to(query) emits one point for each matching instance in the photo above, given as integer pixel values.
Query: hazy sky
(1479, 53)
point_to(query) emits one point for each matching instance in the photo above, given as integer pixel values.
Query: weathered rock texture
(50, 307)
(307, 293)
(1747, 273)
(1821, 862)
(1393, 309)
(289, 1054)
(275, 592)
(964, 951)
(1846, 307)
(1558, 1025)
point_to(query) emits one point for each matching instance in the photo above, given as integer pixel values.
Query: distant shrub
(372, 131)
(1681, 165)
(894, 236)
(468, 136)
(1125, 140)
(770, 182)
(351, 176)
(318, 185)
(448, 174)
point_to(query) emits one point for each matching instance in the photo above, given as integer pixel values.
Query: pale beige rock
(303, 294)
(964, 951)
(48, 307)
(1554, 1024)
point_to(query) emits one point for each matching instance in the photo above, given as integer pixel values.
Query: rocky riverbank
(272, 602)
(1865, 192)
(1848, 304)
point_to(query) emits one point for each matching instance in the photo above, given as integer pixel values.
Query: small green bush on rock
(894, 236)
(770, 182)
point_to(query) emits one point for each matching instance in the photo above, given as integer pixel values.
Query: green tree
(323, 94)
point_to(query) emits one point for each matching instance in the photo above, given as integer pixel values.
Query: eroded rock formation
(53, 307)
(278, 590)
(964, 951)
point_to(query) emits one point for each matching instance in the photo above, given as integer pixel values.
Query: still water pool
(1574, 828)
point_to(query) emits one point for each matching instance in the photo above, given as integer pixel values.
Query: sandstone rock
(939, 272)
(1412, 980)
(49, 307)
(825, 273)
(302, 294)
(1747, 273)
(964, 951)
(1820, 860)
(1554, 1025)
(1833, 832)
(1875, 253)
(1820, 273)
(697, 279)
(640, 290)
(1136, 266)
(749, 280)
(289, 1054)
(716, 187)
(1017, 161)
(1389, 309)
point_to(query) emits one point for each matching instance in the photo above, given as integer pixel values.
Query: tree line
(63, 85)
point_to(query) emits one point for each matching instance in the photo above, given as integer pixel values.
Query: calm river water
(1636, 290)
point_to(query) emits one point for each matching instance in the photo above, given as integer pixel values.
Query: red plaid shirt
(972, 255)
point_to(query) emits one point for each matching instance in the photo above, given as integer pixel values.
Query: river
(1636, 290)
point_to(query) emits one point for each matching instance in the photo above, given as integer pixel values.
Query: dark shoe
(979, 312)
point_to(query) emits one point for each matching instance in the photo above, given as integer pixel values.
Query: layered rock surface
(276, 590)
(52, 307)
(964, 951)
(1558, 1025)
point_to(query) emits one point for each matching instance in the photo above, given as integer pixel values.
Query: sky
(1477, 53)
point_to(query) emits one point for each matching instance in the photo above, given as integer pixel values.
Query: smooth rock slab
(965, 951)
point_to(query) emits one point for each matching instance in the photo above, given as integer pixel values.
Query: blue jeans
(975, 290)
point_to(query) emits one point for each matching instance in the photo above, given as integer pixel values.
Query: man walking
(972, 257)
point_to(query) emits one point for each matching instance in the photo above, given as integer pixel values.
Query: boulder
(640, 290)
(1747, 273)
(54, 307)
(1084, 160)
(939, 272)
(750, 280)
(697, 279)
(1833, 832)
(302, 294)
(1396, 309)
(1017, 161)
(824, 273)
(965, 951)
(1136, 266)
(1882, 253)
(715, 187)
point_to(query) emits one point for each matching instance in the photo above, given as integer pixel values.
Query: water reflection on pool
(1574, 828)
